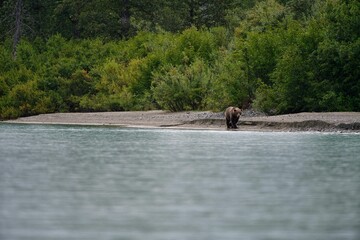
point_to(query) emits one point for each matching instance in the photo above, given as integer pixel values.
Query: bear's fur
(232, 115)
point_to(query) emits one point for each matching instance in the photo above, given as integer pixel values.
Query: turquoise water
(76, 182)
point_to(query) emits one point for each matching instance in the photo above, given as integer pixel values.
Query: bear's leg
(228, 123)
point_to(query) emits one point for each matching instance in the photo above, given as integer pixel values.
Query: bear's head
(237, 111)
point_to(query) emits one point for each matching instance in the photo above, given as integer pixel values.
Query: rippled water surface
(69, 182)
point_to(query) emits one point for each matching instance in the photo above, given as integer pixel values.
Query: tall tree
(207, 13)
(125, 14)
(19, 9)
(29, 18)
(12, 21)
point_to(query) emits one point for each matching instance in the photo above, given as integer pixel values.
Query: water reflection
(59, 182)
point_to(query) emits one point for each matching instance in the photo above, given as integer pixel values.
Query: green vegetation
(282, 56)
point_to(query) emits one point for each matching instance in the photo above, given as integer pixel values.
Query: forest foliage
(279, 56)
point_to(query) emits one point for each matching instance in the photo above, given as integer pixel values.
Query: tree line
(279, 56)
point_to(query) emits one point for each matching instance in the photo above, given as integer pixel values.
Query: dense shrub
(179, 88)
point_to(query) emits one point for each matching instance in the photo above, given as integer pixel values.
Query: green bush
(190, 45)
(183, 87)
(22, 100)
(229, 85)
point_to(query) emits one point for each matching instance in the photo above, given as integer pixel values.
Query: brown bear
(232, 115)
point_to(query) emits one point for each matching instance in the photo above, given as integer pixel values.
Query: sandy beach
(249, 121)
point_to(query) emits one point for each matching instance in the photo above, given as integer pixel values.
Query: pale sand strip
(332, 121)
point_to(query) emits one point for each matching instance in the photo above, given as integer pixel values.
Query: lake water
(77, 182)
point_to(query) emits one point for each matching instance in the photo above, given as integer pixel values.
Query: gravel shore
(249, 121)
